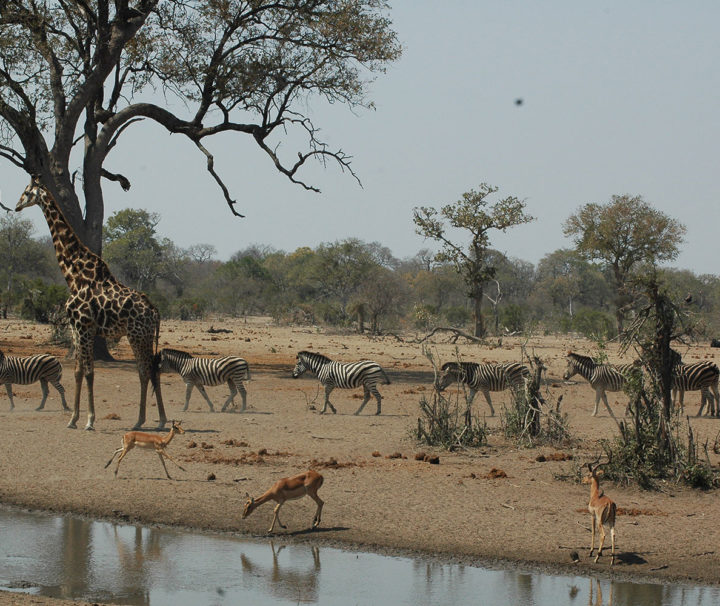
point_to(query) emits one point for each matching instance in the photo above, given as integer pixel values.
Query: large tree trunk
(478, 317)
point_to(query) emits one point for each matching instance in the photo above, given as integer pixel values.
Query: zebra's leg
(231, 397)
(45, 391)
(681, 399)
(366, 393)
(203, 393)
(486, 393)
(188, 391)
(470, 398)
(61, 390)
(716, 408)
(607, 405)
(328, 389)
(8, 388)
(704, 398)
(243, 395)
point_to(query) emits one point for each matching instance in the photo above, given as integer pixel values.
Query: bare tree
(73, 73)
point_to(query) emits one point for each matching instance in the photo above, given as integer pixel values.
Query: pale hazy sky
(619, 97)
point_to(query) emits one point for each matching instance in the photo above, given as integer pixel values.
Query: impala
(602, 511)
(287, 489)
(148, 440)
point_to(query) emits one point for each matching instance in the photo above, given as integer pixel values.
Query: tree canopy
(77, 74)
(473, 213)
(624, 234)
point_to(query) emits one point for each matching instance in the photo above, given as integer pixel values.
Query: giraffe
(98, 305)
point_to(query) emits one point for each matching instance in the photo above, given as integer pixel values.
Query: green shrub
(41, 300)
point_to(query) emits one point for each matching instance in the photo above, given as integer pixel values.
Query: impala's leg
(45, 391)
(126, 449)
(602, 540)
(231, 397)
(203, 393)
(188, 391)
(160, 454)
(276, 518)
(165, 454)
(366, 398)
(612, 544)
(8, 388)
(328, 389)
(592, 538)
(318, 513)
(119, 450)
(61, 390)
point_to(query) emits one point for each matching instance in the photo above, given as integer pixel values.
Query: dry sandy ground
(373, 502)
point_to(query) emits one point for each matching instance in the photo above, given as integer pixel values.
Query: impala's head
(33, 193)
(249, 506)
(300, 367)
(594, 471)
(450, 372)
(177, 426)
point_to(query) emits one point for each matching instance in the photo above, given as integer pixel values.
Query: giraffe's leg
(45, 391)
(8, 388)
(366, 393)
(188, 391)
(203, 393)
(78, 388)
(90, 382)
(143, 349)
(61, 390)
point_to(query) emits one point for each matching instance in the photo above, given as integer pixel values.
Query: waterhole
(75, 558)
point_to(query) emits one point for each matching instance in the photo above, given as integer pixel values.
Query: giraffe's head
(33, 193)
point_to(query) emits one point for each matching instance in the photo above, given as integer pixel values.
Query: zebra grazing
(602, 377)
(701, 376)
(25, 370)
(483, 377)
(345, 376)
(197, 372)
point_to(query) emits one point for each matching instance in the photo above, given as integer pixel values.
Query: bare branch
(211, 169)
(124, 183)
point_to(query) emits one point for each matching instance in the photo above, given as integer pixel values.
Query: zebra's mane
(177, 353)
(456, 366)
(313, 355)
(580, 358)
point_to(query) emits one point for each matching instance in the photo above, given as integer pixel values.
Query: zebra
(701, 376)
(197, 372)
(602, 377)
(345, 376)
(25, 370)
(483, 377)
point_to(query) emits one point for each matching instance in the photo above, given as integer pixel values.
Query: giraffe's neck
(78, 264)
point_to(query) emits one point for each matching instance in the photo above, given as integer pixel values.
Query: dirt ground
(377, 496)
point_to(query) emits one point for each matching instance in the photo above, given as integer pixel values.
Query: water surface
(75, 558)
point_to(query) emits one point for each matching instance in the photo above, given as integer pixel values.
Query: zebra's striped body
(198, 372)
(345, 376)
(701, 376)
(602, 377)
(483, 377)
(25, 370)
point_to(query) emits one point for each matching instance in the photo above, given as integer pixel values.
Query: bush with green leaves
(41, 299)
